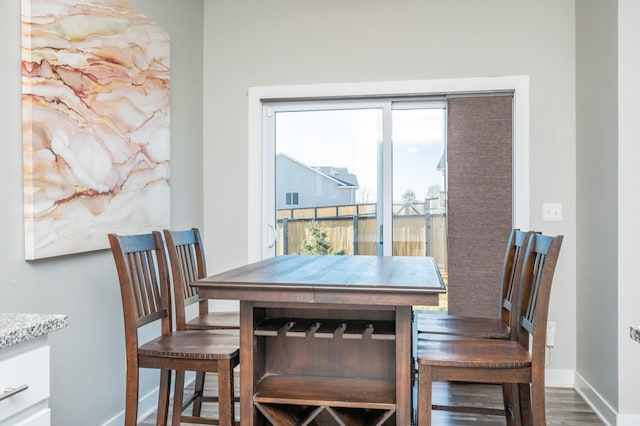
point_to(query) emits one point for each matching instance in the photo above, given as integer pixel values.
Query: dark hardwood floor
(564, 406)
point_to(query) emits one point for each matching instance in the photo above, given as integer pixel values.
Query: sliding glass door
(364, 177)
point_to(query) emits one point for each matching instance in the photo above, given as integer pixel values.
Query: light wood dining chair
(498, 327)
(519, 361)
(146, 298)
(188, 264)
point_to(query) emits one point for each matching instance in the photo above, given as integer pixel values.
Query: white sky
(349, 138)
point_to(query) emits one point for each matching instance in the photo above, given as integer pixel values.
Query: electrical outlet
(551, 333)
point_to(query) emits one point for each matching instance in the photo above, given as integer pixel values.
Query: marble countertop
(634, 332)
(17, 328)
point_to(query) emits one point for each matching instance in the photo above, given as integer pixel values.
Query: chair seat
(493, 328)
(203, 345)
(473, 353)
(215, 320)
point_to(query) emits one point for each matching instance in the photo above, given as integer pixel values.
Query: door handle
(275, 236)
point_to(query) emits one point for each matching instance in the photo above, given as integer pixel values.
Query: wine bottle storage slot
(326, 329)
(303, 400)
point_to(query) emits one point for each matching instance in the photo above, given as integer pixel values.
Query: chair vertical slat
(192, 267)
(535, 285)
(134, 272)
(512, 275)
(154, 279)
(142, 283)
(148, 279)
(507, 301)
(148, 275)
(190, 275)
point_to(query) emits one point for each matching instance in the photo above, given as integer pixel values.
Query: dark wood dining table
(327, 337)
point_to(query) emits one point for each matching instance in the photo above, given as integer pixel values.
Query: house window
(291, 199)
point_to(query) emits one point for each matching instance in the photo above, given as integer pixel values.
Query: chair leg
(538, 402)
(163, 397)
(178, 395)
(131, 398)
(524, 396)
(226, 409)
(199, 390)
(425, 389)
(511, 404)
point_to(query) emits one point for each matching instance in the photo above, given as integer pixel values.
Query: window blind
(480, 200)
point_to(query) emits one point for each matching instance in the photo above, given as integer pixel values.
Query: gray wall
(597, 194)
(257, 43)
(253, 43)
(87, 357)
(628, 208)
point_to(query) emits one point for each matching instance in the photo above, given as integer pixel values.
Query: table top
(410, 280)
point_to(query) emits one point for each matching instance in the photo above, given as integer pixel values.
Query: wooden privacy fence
(354, 229)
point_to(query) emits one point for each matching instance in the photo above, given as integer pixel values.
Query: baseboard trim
(559, 378)
(601, 407)
(146, 406)
(628, 420)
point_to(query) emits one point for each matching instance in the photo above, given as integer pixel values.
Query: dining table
(327, 339)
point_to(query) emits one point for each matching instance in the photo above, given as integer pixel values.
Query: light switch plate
(551, 212)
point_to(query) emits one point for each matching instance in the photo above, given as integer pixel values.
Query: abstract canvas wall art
(95, 102)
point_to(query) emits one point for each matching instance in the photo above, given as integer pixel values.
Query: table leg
(247, 375)
(403, 365)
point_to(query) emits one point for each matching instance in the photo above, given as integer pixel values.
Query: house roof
(327, 171)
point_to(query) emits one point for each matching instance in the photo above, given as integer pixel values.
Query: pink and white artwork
(95, 101)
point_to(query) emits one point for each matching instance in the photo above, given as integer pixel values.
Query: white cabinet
(25, 367)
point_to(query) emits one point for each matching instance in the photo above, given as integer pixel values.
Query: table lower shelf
(299, 400)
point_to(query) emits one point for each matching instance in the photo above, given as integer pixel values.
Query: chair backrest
(541, 257)
(511, 270)
(144, 284)
(186, 254)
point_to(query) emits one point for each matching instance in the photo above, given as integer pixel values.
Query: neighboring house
(299, 185)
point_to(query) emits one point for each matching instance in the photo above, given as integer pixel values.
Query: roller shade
(480, 200)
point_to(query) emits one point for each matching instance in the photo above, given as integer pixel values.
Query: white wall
(87, 357)
(257, 43)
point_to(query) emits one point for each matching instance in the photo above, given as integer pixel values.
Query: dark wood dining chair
(188, 264)
(503, 326)
(146, 298)
(498, 327)
(519, 361)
